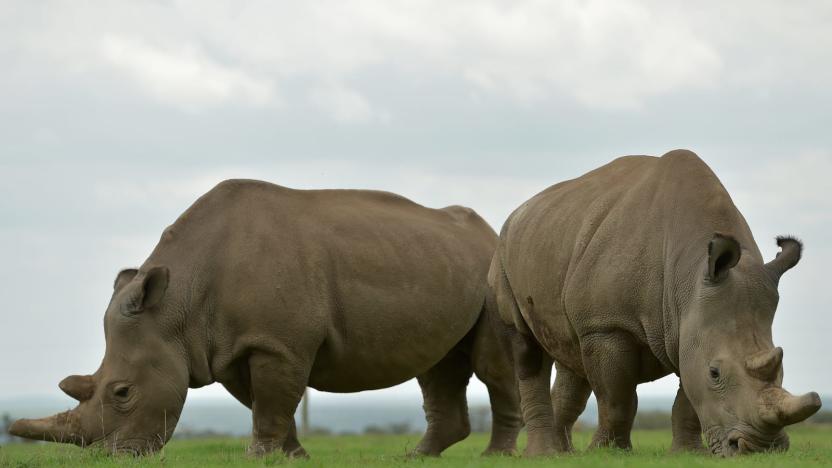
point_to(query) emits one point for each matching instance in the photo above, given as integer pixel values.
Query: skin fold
(268, 290)
(638, 269)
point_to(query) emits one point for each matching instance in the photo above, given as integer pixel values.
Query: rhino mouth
(735, 441)
(135, 446)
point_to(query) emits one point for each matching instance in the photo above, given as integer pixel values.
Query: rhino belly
(380, 348)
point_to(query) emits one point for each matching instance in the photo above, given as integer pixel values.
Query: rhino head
(730, 369)
(133, 401)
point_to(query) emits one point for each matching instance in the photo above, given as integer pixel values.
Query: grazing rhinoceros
(268, 290)
(642, 268)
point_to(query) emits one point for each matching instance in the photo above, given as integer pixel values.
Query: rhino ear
(790, 251)
(723, 254)
(150, 292)
(124, 276)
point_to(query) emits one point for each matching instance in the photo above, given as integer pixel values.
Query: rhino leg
(493, 366)
(687, 431)
(446, 407)
(292, 447)
(612, 361)
(569, 395)
(534, 369)
(277, 385)
(238, 390)
(242, 392)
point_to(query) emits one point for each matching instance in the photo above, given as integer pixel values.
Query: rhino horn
(766, 364)
(790, 251)
(781, 408)
(61, 427)
(80, 387)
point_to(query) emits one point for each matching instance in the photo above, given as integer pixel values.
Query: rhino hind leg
(687, 430)
(446, 407)
(570, 393)
(493, 365)
(534, 369)
(612, 361)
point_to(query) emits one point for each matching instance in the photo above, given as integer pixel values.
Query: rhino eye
(714, 373)
(121, 391)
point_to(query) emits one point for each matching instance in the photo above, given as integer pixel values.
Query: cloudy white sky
(115, 116)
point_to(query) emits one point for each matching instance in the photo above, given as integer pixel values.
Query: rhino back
(616, 249)
(379, 288)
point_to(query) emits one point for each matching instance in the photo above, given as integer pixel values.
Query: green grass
(811, 446)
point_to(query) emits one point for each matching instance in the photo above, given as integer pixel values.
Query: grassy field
(811, 446)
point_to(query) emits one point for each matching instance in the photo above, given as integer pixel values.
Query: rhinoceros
(636, 270)
(268, 290)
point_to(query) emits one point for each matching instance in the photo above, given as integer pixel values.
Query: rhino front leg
(292, 447)
(612, 361)
(687, 431)
(569, 395)
(277, 385)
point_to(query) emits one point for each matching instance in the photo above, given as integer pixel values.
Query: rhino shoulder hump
(681, 155)
(230, 186)
(462, 213)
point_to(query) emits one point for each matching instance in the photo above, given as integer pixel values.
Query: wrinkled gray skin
(268, 290)
(642, 268)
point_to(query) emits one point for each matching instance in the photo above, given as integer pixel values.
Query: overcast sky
(115, 116)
